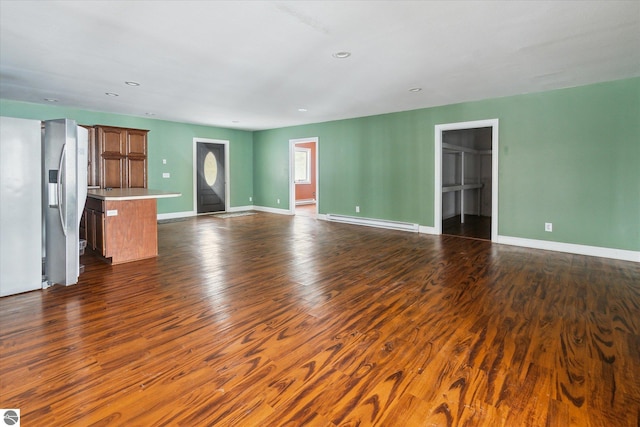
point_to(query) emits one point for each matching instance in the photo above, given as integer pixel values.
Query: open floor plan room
(273, 320)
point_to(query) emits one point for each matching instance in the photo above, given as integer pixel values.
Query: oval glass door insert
(210, 169)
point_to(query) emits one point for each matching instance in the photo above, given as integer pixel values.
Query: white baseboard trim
(174, 215)
(424, 229)
(186, 214)
(305, 202)
(272, 210)
(620, 254)
(371, 222)
(241, 208)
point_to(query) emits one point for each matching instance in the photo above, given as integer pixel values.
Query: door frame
(227, 193)
(437, 203)
(292, 178)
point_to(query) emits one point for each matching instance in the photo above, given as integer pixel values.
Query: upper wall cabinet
(136, 155)
(111, 146)
(122, 155)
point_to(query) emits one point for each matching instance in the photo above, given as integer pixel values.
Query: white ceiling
(252, 64)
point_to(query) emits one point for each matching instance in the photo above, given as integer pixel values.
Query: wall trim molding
(241, 208)
(425, 229)
(572, 248)
(174, 215)
(273, 210)
(187, 214)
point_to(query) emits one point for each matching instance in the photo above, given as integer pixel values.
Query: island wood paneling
(269, 320)
(132, 234)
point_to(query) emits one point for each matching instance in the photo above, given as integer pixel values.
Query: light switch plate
(166, 175)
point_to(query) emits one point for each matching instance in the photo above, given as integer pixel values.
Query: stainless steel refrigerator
(43, 189)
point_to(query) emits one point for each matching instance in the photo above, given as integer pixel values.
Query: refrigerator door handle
(60, 188)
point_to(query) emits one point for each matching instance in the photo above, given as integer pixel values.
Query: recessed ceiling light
(342, 55)
(51, 100)
(111, 94)
(415, 89)
(150, 114)
(132, 83)
(302, 110)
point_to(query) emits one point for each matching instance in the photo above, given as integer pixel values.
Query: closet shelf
(452, 148)
(458, 187)
(463, 152)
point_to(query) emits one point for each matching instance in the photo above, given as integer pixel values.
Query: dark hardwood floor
(474, 226)
(270, 320)
(307, 210)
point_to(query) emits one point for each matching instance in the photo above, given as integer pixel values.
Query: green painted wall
(570, 157)
(167, 140)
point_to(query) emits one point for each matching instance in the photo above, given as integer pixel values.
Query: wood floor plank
(270, 320)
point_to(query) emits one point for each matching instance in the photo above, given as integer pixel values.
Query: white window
(303, 165)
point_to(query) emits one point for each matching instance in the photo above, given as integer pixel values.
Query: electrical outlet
(278, 201)
(357, 209)
(164, 161)
(166, 175)
(548, 227)
(250, 198)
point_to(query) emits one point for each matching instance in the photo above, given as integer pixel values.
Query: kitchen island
(121, 225)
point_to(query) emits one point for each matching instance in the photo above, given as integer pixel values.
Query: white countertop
(130, 194)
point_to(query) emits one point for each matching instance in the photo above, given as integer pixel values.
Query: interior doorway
(303, 179)
(466, 180)
(211, 176)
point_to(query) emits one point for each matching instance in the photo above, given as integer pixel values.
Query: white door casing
(439, 129)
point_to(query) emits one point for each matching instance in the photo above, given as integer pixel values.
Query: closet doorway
(466, 190)
(303, 180)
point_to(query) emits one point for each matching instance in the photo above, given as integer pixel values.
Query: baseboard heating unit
(379, 223)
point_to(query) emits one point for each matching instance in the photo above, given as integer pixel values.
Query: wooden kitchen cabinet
(100, 241)
(122, 224)
(122, 156)
(122, 229)
(94, 225)
(136, 155)
(111, 146)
